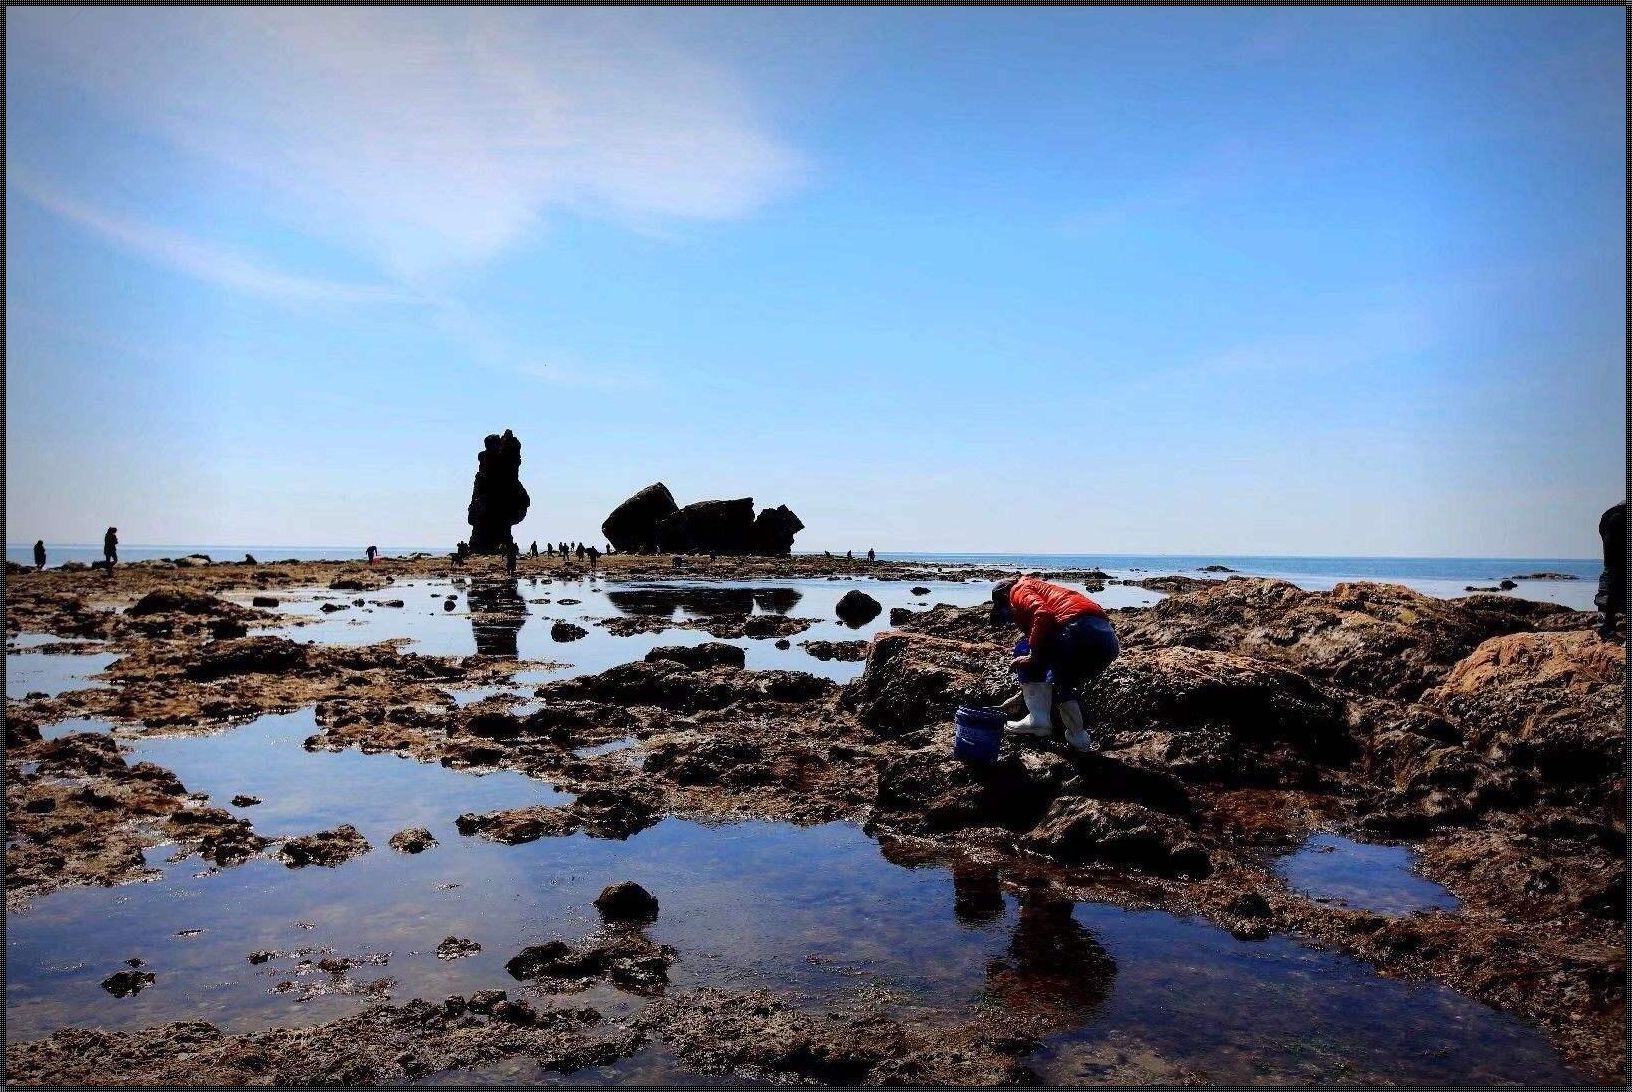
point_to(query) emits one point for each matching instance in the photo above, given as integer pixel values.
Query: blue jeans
(1081, 649)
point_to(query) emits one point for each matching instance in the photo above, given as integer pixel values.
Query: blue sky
(1076, 280)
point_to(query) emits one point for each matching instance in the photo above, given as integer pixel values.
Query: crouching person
(1068, 641)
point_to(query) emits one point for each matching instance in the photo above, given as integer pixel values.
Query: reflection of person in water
(497, 613)
(1055, 971)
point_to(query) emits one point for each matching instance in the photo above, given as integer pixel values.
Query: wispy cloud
(430, 140)
(198, 258)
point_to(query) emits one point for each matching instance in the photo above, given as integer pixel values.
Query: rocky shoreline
(1487, 733)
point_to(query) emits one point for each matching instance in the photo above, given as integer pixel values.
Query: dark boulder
(708, 654)
(856, 608)
(1081, 829)
(632, 526)
(567, 631)
(710, 526)
(626, 901)
(498, 500)
(774, 530)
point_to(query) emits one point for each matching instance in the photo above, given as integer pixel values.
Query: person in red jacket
(1069, 640)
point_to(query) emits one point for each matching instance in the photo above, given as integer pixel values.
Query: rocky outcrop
(327, 847)
(1380, 639)
(708, 654)
(626, 901)
(710, 526)
(1084, 830)
(651, 521)
(498, 500)
(774, 530)
(632, 526)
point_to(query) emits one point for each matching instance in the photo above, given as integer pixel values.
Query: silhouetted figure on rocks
(534, 551)
(39, 555)
(594, 556)
(870, 555)
(1611, 597)
(850, 555)
(461, 552)
(110, 547)
(579, 551)
(372, 552)
(511, 552)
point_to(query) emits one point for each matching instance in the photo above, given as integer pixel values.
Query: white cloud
(198, 258)
(429, 140)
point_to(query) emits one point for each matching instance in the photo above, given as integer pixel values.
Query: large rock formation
(632, 526)
(498, 500)
(711, 526)
(650, 521)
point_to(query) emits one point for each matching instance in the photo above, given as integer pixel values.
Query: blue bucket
(979, 733)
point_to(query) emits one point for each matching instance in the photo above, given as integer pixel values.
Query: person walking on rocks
(534, 551)
(511, 552)
(594, 556)
(39, 555)
(1069, 639)
(372, 552)
(1611, 597)
(110, 547)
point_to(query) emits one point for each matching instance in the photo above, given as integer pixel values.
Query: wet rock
(265, 601)
(1082, 830)
(1171, 584)
(784, 644)
(21, 729)
(247, 655)
(567, 631)
(914, 680)
(1249, 905)
(179, 601)
(1507, 585)
(708, 654)
(412, 840)
(625, 957)
(243, 800)
(484, 1000)
(125, 983)
(331, 608)
(488, 725)
(845, 651)
(900, 615)
(632, 526)
(1551, 705)
(626, 901)
(856, 608)
(1214, 716)
(456, 947)
(1378, 639)
(919, 589)
(930, 791)
(353, 583)
(326, 848)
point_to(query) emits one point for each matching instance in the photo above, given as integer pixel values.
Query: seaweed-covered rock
(327, 847)
(708, 654)
(1080, 829)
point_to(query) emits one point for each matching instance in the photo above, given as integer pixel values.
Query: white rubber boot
(1076, 731)
(1039, 696)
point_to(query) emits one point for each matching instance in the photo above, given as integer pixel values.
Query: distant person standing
(110, 547)
(1611, 597)
(39, 555)
(870, 555)
(372, 552)
(594, 556)
(534, 551)
(579, 551)
(511, 552)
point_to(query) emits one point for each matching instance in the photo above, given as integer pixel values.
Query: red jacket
(1041, 608)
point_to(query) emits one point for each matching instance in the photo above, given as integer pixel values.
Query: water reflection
(702, 601)
(497, 613)
(1055, 969)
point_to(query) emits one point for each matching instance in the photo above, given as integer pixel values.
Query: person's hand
(1020, 663)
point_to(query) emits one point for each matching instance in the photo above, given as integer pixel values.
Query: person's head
(1001, 610)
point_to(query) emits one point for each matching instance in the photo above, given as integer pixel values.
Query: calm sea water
(1442, 576)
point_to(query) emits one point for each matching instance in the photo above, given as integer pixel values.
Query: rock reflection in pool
(497, 613)
(1364, 876)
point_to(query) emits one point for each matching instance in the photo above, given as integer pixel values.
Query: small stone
(484, 1000)
(626, 901)
(243, 800)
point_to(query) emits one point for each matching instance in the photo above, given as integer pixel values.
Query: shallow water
(1364, 876)
(816, 914)
(512, 620)
(53, 673)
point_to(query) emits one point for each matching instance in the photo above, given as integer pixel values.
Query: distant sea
(1442, 576)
